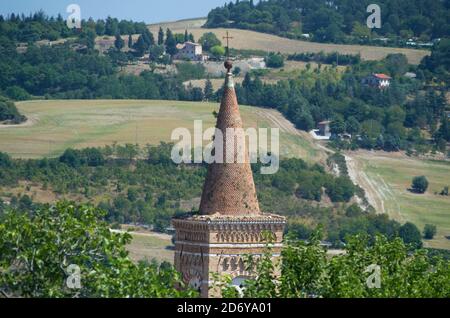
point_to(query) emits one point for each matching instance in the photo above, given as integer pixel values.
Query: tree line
(39, 26)
(341, 21)
(142, 185)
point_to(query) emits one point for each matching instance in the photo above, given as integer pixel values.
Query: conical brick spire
(229, 187)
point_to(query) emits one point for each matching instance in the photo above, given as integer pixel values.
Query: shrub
(410, 234)
(420, 184)
(9, 112)
(274, 60)
(217, 51)
(429, 231)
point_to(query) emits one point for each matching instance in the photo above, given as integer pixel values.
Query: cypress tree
(130, 41)
(171, 43)
(119, 42)
(208, 91)
(160, 36)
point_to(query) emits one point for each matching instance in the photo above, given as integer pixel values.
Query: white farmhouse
(190, 51)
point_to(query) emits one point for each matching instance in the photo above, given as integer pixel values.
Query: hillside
(386, 178)
(342, 21)
(56, 125)
(251, 40)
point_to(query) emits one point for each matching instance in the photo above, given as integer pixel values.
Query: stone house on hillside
(190, 51)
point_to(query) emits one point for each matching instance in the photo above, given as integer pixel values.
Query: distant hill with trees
(338, 21)
(388, 119)
(391, 119)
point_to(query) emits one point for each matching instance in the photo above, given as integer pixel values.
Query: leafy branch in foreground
(37, 248)
(307, 271)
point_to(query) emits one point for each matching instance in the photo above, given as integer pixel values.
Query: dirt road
(359, 177)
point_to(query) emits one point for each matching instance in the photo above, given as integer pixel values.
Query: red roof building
(377, 80)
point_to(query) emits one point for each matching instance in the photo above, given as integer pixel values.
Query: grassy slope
(391, 175)
(244, 39)
(148, 247)
(57, 125)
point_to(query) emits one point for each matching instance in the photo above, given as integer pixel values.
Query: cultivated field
(386, 179)
(149, 246)
(57, 125)
(244, 39)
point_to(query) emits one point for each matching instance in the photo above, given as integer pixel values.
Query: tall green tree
(411, 235)
(140, 46)
(171, 43)
(208, 91)
(130, 41)
(119, 43)
(209, 40)
(160, 36)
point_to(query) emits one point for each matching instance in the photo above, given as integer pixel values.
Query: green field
(54, 126)
(391, 176)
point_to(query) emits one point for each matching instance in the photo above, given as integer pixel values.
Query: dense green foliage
(437, 66)
(337, 21)
(307, 271)
(39, 26)
(274, 60)
(209, 40)
(38, 247)
(150, 190)
(326, 58)
(142, 185)
(62, 72)
(419, 184)
(429, 231)
(9, 112)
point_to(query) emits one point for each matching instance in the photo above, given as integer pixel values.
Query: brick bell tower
(230, 224)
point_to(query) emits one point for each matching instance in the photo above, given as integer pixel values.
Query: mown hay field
(250, 40)
(390, 177)
(56, 125)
